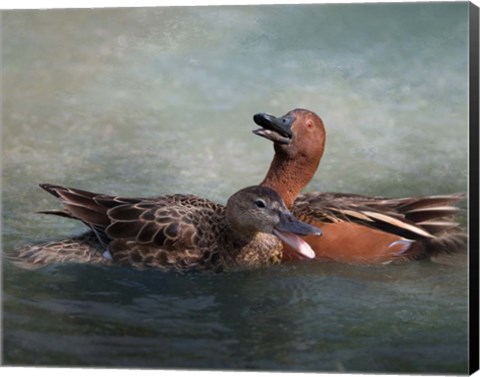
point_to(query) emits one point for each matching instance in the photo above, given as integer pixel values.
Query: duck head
(299, 139)
(258, 209)
(299, 132)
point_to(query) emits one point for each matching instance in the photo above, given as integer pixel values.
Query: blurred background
(150, 101)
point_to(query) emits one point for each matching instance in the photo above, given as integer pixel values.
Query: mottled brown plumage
(80, 249)
(175, 232)
(357, 228)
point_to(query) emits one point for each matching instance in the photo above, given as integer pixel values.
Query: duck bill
(278, 130)
(289, 229)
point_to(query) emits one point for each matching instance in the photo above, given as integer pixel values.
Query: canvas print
(145, 225)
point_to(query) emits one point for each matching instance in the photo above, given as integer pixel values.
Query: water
(159, 100)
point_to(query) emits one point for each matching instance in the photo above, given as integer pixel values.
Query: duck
(174, 232)
(357, 229)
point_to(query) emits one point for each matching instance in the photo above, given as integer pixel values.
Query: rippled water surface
(160, 100)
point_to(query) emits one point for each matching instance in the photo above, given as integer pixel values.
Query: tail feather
(439, 227)
(60, 213)
(81, 205)
(89, 215)
(411, 204)
(447, 243)
(402, 225)
(422, 214)
(434, 214)
(78, 204)
(64, 192)
(81, 249)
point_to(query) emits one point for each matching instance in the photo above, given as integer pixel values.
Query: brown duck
(175, 232)
(357, 228)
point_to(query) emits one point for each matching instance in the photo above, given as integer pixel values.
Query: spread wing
(414, 218)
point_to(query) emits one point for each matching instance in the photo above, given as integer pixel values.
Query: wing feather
(415, 217)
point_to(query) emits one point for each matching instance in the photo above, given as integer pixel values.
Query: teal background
(150, 101)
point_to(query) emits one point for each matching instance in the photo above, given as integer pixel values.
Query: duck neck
(288, 176)
(251, 251)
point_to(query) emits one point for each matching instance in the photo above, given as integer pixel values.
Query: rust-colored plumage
(357, 228)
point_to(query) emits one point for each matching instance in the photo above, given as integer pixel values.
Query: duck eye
(260, 203)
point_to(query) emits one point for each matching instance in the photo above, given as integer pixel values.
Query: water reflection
(159, 100)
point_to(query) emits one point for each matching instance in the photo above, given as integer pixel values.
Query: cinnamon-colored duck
(175, 232)
(356, 228)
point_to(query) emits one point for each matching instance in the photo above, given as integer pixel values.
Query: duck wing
(414, 217)
(177, 232)
(88, 207)
(173, 231)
